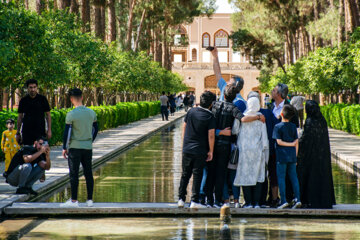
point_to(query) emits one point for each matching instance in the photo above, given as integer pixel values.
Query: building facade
(194, 62)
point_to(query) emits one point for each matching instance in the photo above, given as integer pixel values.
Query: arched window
(194, 55)
(205, 40)
(221, 38)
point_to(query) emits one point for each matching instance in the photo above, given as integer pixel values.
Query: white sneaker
(237, 205)
(247, 206)
(89, 203)
(196, 205)
(181, 203)
(227, 204)
(69, 204)
(297, 205)
(257, 206)
(216, 206)
(284, 205)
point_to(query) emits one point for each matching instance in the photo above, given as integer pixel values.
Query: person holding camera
(28, 165)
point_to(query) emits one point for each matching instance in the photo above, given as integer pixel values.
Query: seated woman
(314, 161)
(253, 145)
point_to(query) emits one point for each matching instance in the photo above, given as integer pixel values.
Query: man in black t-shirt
(31, 119)
(28, 165)
(198, 147)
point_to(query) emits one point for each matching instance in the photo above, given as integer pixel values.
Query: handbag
(234, 156)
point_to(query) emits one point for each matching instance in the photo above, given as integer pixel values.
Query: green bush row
(343, 117)
(107, 116)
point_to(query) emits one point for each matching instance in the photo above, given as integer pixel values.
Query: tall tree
(112, 20)
(85, 15)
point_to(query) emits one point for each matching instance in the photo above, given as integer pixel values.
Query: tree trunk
(74, 8)
(112, 20)
(85, 15)
(340, 23)
(139, 29)
(99, 14)
(1, 99)
(65, 4)
(129, 25)
(158, 47)
(55, 5)
(164, 48)
(40, 6)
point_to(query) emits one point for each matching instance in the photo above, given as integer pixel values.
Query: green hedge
(343, 117)
(108, 117)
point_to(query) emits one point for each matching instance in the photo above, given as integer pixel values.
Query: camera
(210, 48)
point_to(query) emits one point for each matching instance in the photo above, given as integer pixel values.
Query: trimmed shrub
(343, 117)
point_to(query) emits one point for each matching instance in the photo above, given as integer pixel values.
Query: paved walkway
(345, 148)
(107, 144)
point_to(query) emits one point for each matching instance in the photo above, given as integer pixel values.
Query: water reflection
(151, 171)
(193, 228)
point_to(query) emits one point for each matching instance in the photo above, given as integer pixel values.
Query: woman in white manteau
(253, 145)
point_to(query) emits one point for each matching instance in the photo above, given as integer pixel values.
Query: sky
(224, 7)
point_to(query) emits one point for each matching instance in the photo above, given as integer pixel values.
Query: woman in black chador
(314, 161)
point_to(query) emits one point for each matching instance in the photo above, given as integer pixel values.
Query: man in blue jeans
(28, 165)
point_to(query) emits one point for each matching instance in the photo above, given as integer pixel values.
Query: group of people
(27, 152)
(233, 143)
(174, 103)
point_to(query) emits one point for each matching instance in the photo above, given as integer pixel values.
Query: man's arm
(95, 130)
(19, 124)
(211, 144)
(48, 120)
(183, 131)
(297, 146)
(216, 64)
(253, 118)
(30, 158)
(47, 156)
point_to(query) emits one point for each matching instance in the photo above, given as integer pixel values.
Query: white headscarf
(253, 107)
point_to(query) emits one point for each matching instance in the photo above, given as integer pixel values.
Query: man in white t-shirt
(164, 107)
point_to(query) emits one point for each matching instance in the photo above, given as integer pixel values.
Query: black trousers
(252, 194)
(75, 157)
(192, 164)
(164, 112)
(216, 173)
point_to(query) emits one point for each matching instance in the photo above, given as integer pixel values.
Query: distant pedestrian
(179, 102)
(172, 103)
(80, 131)
(186, 102)
(298, 103)
(191, 100)
(164, 101)
(285, 135)
(198, 147)
(9, 145)
(314, 161)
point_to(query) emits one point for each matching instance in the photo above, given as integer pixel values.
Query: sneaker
(196, 205)
(216, 206)
(284, 205)
(237, 205)
(247, 206)
(227, 204)
(89, 203)
(22, 190)
(181, 203)
(31, 191)
(297, 205)
(275, 203)
(69, 204)
(208, 205)
(257, 206)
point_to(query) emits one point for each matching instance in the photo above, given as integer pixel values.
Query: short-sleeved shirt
(163, 100)
(18, 158)
(34, 110)
(81, 120)
(287, 132)
(198, 123)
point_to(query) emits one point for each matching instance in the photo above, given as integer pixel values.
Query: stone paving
(107, 144)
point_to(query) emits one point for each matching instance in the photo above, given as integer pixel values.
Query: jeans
(191, 165)
(216, 173)
(236, 190)
(164, 113)
(25, 175)
(75, 157)
(281, 169)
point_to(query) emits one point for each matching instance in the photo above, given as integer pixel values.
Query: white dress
(253, 145)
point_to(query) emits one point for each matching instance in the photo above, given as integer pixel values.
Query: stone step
(171, 210)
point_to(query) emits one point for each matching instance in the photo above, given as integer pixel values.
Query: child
(198, 147)
(285, 134)
(9, 145)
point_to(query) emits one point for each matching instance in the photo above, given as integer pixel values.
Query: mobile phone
(46, 143)
(210, 48)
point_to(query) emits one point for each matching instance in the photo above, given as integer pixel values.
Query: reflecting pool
(185, 228)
